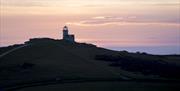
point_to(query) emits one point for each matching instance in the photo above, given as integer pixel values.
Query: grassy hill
(47, 59)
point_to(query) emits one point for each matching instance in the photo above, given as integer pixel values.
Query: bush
(145, 66)
(27, 65)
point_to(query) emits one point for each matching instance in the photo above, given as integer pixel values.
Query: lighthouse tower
(66, 35)
(65, 32)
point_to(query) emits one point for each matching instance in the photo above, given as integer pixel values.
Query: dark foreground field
(56, 65)
(107, 86)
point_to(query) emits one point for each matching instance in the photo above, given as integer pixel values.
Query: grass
(107, 86)
(49, 59)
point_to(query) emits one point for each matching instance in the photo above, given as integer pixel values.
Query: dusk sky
(106, 23)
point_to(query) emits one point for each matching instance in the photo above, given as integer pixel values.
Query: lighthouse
(67, 36)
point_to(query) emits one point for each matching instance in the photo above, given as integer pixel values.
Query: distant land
(41, 62)
(156, 50)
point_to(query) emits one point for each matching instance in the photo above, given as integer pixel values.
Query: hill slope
(46, 59)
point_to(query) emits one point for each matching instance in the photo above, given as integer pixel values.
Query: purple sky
(107, 23)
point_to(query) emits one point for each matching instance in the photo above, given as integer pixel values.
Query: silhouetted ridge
(44, 59)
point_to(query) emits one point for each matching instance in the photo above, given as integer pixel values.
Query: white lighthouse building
(66, 35)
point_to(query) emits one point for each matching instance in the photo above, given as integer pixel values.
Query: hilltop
(44, 59)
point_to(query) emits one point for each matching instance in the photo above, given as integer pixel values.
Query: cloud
(21, 3)
(108, 17)
(99, 20)
(167, 4)
(116, 20)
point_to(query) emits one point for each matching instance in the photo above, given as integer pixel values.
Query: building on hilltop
(66, 35)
